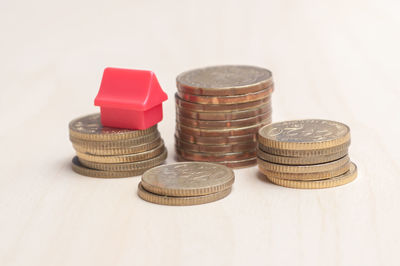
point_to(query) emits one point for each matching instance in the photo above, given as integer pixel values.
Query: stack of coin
(219, 111)
(112, 152)
(187, 183)
(306, 154)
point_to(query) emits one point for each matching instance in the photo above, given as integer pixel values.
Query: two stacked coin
(112, 152)
(187, 183)
(306, 154)
(219, 111)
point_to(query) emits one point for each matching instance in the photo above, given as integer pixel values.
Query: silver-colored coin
(224, 80)
(90, 128)
(188, 179)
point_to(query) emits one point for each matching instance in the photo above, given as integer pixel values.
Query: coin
(307, 134)
(90, 128)
(134, 157)
(304, 169)
(218, 107)
(216, 140)
(239, 147)
(159, 159)
(226, 115)
(224, 80)
(234, 99)
(221, 132)
(128, 149)
(300, 160)
(188, 179)
(82, 170)
(305, 153)
(230, 164)
(342, 179)
(223, 123)
(215, 157)
(240, 163)
(305, 176)
(181, 201)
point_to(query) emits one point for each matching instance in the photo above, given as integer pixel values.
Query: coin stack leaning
(306, 154)
(112, 152)
(187, 183)
(219, 111)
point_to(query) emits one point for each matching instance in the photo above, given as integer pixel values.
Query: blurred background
(336, 60)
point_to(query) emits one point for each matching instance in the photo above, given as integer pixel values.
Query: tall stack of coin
(187, 183)
(306, 154)
(219, 111)
(112, 152)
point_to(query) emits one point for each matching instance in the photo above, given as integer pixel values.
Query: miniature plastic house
(130, 99)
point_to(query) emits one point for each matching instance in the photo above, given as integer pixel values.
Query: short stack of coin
(112, 152)
(219, 111)
(187, 183)
(306, 154)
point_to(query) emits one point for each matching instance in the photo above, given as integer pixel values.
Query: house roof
(129, 89)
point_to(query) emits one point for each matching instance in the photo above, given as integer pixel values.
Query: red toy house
(130, 98)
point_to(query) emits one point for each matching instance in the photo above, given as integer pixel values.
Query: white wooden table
(336, 60)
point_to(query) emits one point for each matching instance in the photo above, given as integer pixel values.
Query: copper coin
(221, 132)
(222, 100)
(218, 107)
(231, 164)
(215, 157)
(224, 80)
(239, 147)
(224, 123)
(218, 116)
(216, 140)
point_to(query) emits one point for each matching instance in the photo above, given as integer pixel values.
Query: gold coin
(230, 164)
(218, 107)
(291, 160)
(119, 151)
(241, 98)
(305, 153)
(116, 144)
(77, 167)
(304, 169)
(188, 179)
(221, 132)
(239, 147)
(307, 134)
(181, 201)
(306, 176)
(223, 115)
(342, 179)
(127, 158)
(224, 80)
(215, 157)
(159, 159)
(90, 128)
(223, 123)
(221, 140)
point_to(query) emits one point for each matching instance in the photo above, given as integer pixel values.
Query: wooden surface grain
(336, 60)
